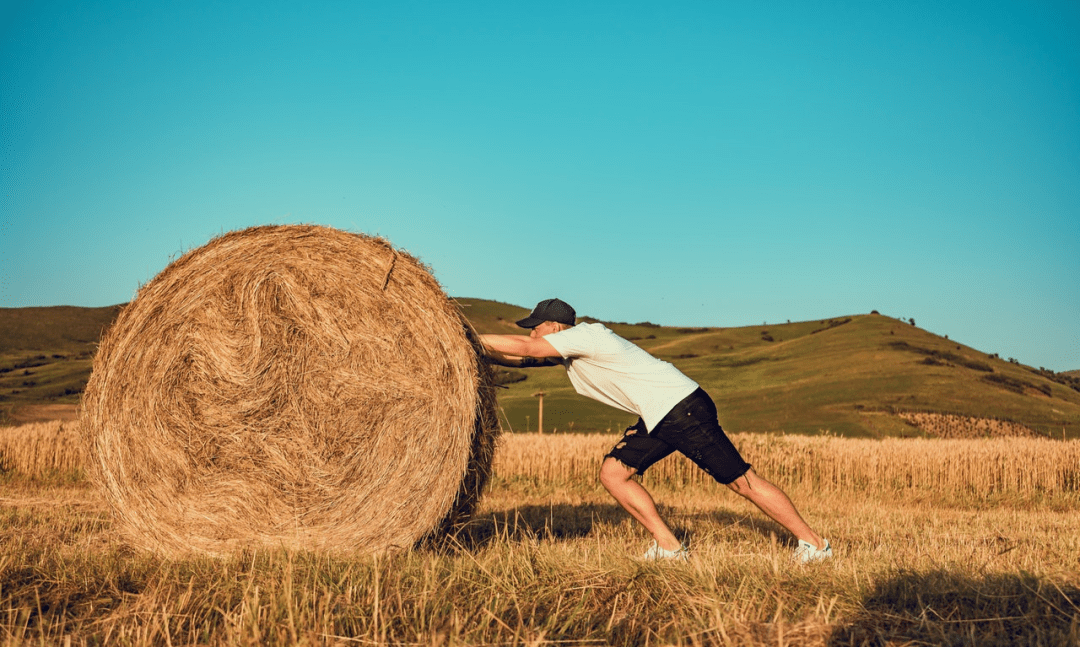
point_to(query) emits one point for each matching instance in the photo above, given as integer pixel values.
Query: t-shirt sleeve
(572, 342)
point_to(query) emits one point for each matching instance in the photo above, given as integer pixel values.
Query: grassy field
(937, 542)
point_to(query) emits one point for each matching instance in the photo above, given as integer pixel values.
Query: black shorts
(692, 428)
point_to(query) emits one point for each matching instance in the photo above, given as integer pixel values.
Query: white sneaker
(807, 552)
(655, 553)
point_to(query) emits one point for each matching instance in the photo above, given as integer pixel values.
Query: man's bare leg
(636, 500)
(774, 503)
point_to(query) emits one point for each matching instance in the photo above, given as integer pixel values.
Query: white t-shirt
(605, 367)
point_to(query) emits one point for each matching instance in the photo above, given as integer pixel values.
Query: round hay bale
(291, 386)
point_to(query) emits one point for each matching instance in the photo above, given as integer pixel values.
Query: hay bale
(289, 386)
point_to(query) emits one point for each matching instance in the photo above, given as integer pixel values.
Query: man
(674, 414)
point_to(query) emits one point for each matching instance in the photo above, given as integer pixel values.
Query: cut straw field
(937, 542)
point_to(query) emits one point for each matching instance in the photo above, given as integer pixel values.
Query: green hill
(847, 376)
(46, 353)
(59, 329)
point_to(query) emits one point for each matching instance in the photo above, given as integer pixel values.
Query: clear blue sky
(686, 163)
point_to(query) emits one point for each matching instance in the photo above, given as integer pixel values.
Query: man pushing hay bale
(291, 386)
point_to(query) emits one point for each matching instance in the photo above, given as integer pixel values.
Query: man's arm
(519, 362)
(519, 351)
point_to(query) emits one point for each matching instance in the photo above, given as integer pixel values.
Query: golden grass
(41, 449)
(550, 561)
(980, 468)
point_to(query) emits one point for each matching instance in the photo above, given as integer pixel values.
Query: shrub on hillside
(1016, 385)
(831, 323)
(1065, 380)
(943, 356)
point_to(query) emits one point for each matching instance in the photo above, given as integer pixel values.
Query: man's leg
(692, 427)
(774, 503)
(636, 500)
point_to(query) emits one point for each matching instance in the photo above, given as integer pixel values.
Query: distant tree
(912, 321)
(874, 312)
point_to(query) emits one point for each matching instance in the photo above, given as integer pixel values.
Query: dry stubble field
(937, 542)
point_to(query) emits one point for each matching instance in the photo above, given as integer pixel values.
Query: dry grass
(41, 449)
(550, 560)
(289, 386)
(828, 464)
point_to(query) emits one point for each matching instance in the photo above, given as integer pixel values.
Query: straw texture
(290, 386)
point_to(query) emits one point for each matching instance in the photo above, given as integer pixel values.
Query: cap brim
(529, 322)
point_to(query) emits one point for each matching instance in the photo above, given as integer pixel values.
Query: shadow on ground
(571, 521)
(941, 608)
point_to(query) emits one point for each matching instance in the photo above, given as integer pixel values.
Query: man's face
(545, 328)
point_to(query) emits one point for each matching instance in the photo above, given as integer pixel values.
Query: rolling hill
(56, 329)
(857, 375)
(46, 353)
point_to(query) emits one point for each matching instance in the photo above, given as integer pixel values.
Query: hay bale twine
(291, 386)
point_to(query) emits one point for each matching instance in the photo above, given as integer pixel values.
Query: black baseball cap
(550, 310)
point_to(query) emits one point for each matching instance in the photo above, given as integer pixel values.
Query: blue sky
(686, 163)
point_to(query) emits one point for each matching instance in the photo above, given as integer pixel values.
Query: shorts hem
(739, 476)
